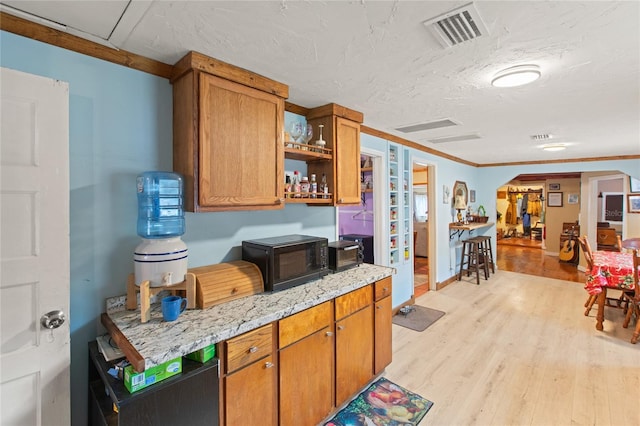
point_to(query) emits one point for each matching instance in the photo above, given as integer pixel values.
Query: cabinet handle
(385, 289)
(253, 349)
(280, 200)
(341, 200)
(341, 327)
(328, 334)
(268, 364)
(378, 307)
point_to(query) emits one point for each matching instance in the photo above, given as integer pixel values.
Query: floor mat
(383, 403)
(417, 317)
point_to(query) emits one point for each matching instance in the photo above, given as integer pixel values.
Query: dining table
(610, 270)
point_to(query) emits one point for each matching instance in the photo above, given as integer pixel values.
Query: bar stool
(487, 251)
(472, 256)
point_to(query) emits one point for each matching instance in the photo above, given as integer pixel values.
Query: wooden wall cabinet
(249, 381)
(228, 127)
(306, 366)
(341, 132)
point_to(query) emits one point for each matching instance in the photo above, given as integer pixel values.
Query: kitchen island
(158, 341)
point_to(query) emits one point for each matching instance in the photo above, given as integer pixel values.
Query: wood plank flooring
(517, 350)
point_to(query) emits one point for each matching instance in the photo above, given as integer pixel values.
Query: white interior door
(34, 250)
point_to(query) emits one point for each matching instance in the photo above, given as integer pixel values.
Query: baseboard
(443, 284)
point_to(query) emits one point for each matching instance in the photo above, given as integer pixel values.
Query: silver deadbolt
(53, 319)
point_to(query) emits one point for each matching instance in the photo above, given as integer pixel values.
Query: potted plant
(482, 215)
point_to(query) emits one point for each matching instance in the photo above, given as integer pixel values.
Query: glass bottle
(296, 184)
(324, 188)
(305, 187)
(313, 186)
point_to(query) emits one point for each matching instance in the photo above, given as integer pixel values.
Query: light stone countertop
(158, 341)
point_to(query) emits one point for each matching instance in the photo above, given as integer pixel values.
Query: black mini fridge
(366, 241)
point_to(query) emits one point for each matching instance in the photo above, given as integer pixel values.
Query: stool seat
(487, 251)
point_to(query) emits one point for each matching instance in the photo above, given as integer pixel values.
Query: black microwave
(289, 260)
(344, 254)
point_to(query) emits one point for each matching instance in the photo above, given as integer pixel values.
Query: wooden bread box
(224, 282)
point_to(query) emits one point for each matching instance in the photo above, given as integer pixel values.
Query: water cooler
(161, 257)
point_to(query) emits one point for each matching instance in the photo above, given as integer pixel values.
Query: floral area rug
(383, 403)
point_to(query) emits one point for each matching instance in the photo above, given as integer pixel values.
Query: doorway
(422, 216)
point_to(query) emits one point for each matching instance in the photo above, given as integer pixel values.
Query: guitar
(567, 253)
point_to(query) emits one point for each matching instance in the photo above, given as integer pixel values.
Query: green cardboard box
(203, 355)
(135, 381)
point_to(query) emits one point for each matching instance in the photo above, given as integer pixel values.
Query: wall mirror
(460, 190)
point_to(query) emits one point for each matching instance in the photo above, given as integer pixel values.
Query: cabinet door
(250, 395)
(306, 379)
(241, 154)
(382, 339)
(347, 159)
(354, 353)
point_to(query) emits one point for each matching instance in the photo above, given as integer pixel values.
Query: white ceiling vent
(457, 26)
(457, 138)
(427, 126)
(541, 137)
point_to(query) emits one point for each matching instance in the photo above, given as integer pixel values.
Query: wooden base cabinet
(249, 383)
(383, 313)
(354, 342)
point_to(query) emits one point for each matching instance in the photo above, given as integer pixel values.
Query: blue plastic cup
(172, 307)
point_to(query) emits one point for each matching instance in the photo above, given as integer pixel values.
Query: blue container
(160, 205)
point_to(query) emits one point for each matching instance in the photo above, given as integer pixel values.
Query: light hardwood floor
(517, 350)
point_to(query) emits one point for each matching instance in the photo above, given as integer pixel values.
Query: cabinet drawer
(383, 288)
(353, 302)
(247, 348)
(303, 324)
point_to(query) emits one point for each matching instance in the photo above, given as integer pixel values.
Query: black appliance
(344, 254)
(366, 241)
(289, 260)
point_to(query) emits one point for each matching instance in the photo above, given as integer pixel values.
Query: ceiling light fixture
(554, 147)
(516, 76)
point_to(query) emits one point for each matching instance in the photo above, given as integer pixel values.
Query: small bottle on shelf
(287, 186)
(313, 186)
(295, 185)
(305, 187)
(324, 188)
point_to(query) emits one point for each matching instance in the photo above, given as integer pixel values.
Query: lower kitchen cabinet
(250, 395)
(383, 317)
(354, 342)
(189, 398)
(249, 385)
(306, 365)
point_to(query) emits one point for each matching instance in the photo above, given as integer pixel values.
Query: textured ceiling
(377, 57)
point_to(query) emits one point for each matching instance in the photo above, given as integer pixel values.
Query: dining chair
(588, 257)
(634, 299)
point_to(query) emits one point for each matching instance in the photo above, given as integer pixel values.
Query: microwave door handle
(351, 248)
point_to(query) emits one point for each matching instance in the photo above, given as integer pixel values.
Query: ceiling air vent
(457, 26)
(541, 137)
(427, 126)
(455, 138)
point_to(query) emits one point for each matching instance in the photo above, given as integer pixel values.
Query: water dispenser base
(187, 286)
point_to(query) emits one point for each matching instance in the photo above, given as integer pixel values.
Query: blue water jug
(160, 205)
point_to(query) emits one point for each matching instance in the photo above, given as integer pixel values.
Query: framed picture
(633, 203)
(573, 198)
(554, 199)
(472, 195)
(554, 186)
(634, 184)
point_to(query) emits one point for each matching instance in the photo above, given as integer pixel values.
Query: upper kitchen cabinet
(228, 126)
(341, 132)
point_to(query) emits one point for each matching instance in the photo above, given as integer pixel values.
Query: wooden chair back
(607, 238)
(586, 250)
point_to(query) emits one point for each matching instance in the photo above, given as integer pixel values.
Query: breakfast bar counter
(157, 341)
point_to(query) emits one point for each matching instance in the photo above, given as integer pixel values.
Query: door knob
(53, 319)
